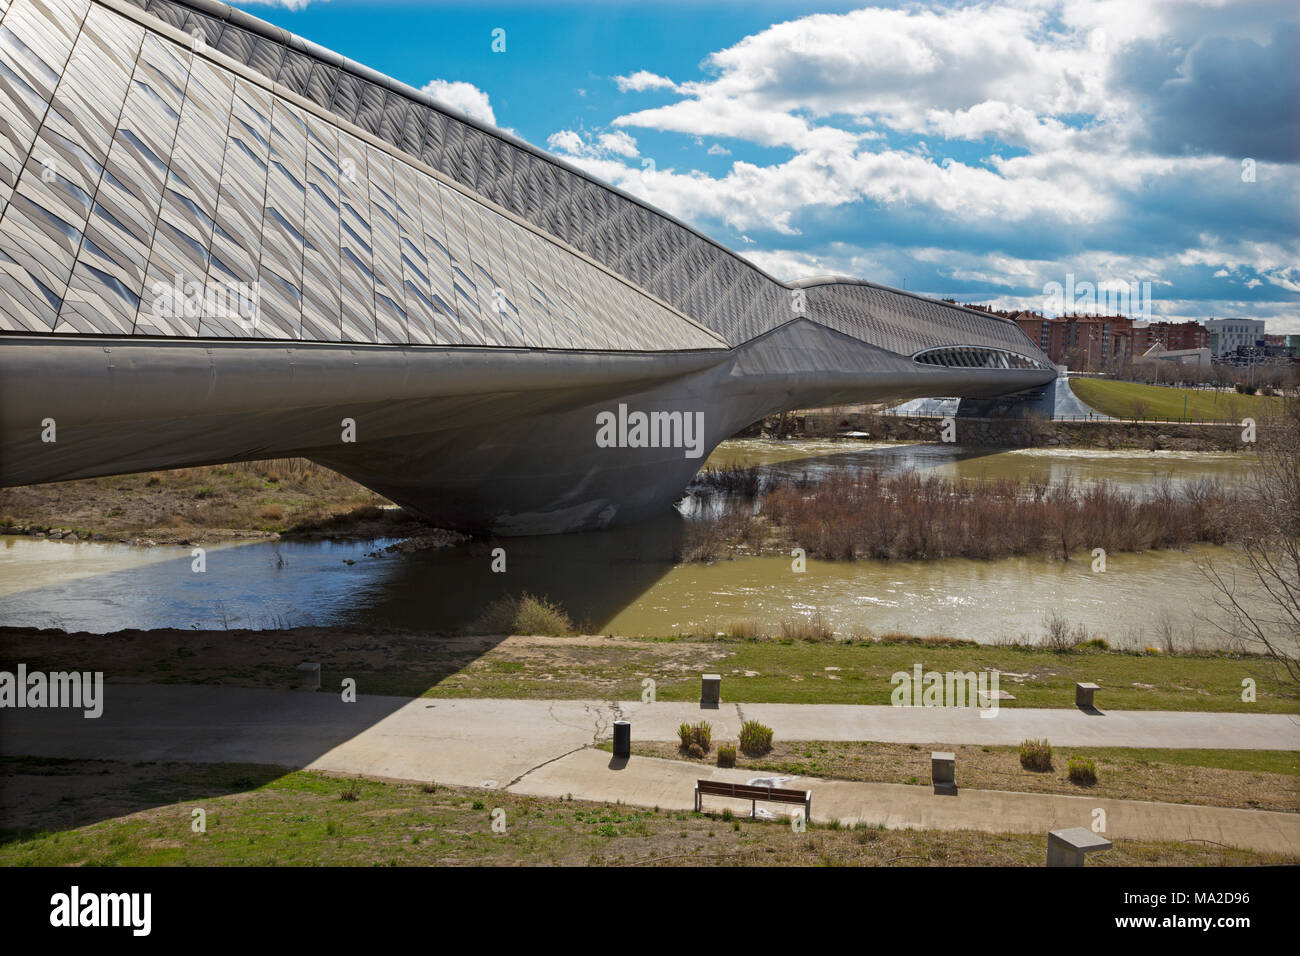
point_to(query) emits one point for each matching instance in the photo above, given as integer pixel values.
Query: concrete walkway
(544, 748)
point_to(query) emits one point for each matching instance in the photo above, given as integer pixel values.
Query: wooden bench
(743, 791)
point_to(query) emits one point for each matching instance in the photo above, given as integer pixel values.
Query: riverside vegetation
(863, 514)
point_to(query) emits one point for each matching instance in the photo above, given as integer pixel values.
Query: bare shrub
(863, 514)
(1166, 634)
(745, 631)
(522, 614)
(1258, 602)
(1057, 634)
(815, 629)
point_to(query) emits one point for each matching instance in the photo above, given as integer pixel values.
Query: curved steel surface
(219, 241)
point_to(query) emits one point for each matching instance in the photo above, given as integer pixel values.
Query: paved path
(544, 748)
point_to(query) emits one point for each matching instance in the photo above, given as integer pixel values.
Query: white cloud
(463, 96)
(593, 146)
(286, 4)
(618, 143)
(566, 141)
(1005, 126)
(643, 80)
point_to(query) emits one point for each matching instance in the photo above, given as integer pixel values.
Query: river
(627, 581)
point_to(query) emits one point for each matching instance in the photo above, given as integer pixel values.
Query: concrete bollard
(622, 739)
(308, 676)
(710, 690)
(1070, 847)
(1083, 695)
(943, 772)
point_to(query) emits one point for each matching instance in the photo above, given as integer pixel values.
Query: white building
(1227, 334)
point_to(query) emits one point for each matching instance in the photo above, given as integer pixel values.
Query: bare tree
(1259, 598)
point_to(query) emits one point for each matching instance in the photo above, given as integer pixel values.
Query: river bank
(1031, 432)
(246, 501)
(298, 500)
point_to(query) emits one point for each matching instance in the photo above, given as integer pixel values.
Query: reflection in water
(288, 583)
(627, 581)
(1129, 469)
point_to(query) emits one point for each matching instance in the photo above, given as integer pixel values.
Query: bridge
(221, 242)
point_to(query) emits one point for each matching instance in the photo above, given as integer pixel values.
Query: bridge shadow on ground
(400, 630)
(398, 625)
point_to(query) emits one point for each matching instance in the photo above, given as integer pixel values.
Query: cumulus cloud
(574, 144)
(286, 4)
(643, 80)
(983, 149)
(619, 143)
(463, 96)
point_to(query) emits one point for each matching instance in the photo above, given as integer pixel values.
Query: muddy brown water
(627, 581)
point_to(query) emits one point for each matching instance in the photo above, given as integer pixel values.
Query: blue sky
(978, 151)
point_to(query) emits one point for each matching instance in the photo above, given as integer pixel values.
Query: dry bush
(707, 539)
(1056, 633)
(815, 629)
(745, 631)
(863, 514)
(1036, 755)
(524, 614)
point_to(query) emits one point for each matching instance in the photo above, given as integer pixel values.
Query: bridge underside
(222, 243)
(494, 441)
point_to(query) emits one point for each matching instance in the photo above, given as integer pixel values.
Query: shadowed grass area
(1134, 400)
(304, 819)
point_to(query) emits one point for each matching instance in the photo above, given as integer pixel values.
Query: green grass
(1134, 400)
(789, 672)
(1252, 761)
(797, 674)
(298, 819)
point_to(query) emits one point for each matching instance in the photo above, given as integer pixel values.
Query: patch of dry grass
(196, 504)
(1123, 774)
(259, 816)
